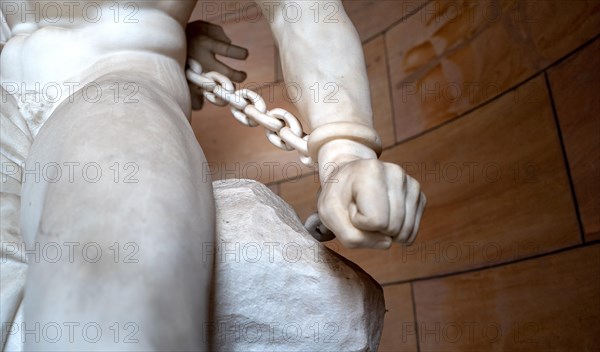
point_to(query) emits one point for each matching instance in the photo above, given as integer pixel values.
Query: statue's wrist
(335, 154)
(335, 144)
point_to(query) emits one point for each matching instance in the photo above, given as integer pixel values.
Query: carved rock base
(278, 289)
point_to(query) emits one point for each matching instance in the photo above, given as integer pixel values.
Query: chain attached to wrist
(282, 128)
(353, 131)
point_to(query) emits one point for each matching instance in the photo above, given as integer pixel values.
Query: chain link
(224, 85)
(282, 128)
(317, 229)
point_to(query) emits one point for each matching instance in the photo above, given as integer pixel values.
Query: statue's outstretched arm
(364, 201)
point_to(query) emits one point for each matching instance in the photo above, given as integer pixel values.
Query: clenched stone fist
(367, 202)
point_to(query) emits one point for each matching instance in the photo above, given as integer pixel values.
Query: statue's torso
(54, 41)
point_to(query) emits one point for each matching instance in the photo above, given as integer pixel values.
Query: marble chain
(282, 128)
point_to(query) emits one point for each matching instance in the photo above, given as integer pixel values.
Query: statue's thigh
(117, 187)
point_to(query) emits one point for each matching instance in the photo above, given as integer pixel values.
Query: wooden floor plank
(371, 17)
(545, 304)
(575, 86)
(377, 71)
(399, 334)
(452, 56)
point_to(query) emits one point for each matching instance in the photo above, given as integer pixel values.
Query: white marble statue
(107, 157)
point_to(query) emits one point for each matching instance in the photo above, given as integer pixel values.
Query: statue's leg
(15, 142)
(131, 212)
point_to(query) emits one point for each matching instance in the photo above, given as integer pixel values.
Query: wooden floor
(493, 106)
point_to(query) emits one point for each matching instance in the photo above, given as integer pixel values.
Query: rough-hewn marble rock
(277, 288)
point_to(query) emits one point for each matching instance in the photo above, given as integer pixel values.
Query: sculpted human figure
(115, 99)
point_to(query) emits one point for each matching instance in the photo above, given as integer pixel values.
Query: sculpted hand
(370, 203)
(205, 40)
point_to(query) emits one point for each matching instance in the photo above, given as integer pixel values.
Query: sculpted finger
(411, 204)
(217, 32)
(420, 211)
(351, 237)
(336, 217)
(396, 181)
(200, 49)
(229, 50)
(209, 29)
(367, 239)
(234, 75)
(370, 209)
